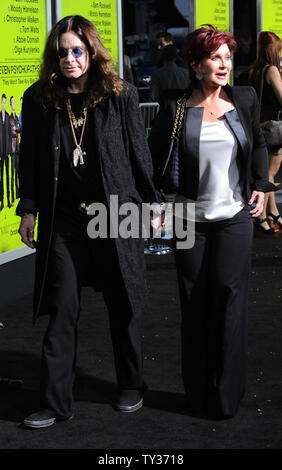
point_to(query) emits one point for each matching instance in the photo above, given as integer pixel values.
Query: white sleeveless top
(219, 193)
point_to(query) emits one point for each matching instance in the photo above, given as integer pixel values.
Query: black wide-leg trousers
(213, 283)
(72, 255)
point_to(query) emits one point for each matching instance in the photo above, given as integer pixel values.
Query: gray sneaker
(129, 401)
(43, 419)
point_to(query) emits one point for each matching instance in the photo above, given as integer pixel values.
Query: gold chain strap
(181, 103)
(261, 87)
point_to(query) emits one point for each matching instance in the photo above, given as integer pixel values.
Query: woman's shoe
(275, 219)
(266, 229)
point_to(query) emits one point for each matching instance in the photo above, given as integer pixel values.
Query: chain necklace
(77, 122)
(214, 113)
(81, 121)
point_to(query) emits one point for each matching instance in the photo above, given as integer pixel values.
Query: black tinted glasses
(76, 52)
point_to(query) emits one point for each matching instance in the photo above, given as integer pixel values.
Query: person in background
(169, 75)
(83, 141)
(268, 63)
(15, 130)
(5, 149)
(166, 39)
(127, 68)
(223, 172)
(20, 115)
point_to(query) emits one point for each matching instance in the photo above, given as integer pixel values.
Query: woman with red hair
(268, 64)
(223, 177)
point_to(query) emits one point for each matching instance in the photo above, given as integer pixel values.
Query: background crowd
(10, 130)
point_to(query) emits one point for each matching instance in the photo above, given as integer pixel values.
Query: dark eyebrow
(67, 48)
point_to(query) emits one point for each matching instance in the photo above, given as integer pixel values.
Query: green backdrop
(23, 35)
(272, 16)
(103, 15)
(215, 12)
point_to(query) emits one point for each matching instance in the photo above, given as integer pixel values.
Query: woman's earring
(199, 75)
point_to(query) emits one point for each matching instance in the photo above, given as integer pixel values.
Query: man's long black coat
(126, 170)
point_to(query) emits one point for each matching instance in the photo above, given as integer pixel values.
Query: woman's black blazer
(244, 122)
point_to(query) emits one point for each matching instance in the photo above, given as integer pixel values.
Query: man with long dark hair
(83, 141)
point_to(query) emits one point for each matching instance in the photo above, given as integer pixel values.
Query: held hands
(27, 225)
(257, 198)
(26, 230)
(157, 221)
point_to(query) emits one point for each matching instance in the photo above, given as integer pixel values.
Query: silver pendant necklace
(213, 113)
(78, 154)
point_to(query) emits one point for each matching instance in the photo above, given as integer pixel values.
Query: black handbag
(170, 174)
(272, 129)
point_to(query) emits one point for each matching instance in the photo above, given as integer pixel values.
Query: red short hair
(202, 42)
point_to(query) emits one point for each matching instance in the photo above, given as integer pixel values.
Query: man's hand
(26, 230)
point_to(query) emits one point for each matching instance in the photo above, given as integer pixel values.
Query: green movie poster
(272, 16)
(23, 35)
(103, 15)
(215, 12)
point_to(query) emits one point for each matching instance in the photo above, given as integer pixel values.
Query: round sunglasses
(76, 52)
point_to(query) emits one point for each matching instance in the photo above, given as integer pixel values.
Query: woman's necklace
(217, 112)
(214, 113)
(74, 122)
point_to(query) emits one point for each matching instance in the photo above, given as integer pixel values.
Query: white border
(120, 38)
(15, 254)
(259, 17)
(48, 7)
(58, 10)
(192, 15)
